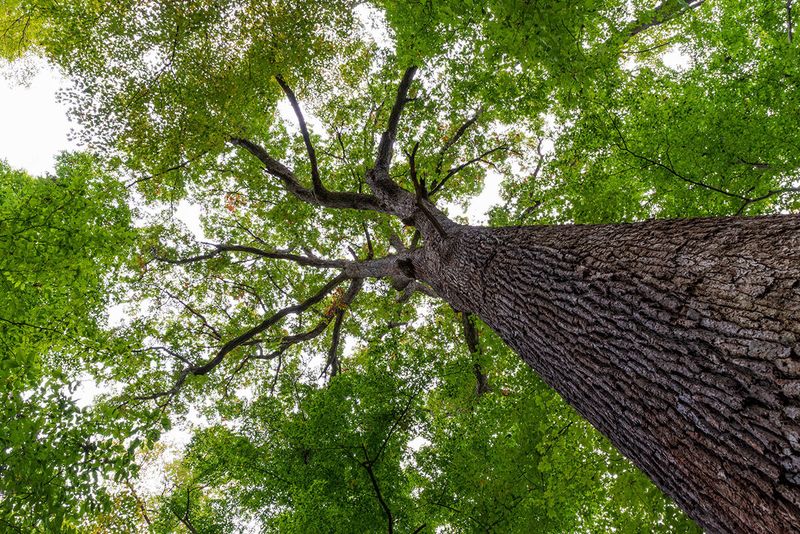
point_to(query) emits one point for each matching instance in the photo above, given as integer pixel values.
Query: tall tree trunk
(679, 340)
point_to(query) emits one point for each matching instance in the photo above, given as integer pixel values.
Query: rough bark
(679, 340)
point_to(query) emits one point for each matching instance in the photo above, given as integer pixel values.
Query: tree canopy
(321, 388)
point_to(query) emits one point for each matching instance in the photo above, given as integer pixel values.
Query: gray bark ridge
(677, 339)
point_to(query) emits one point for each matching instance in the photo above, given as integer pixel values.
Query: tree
(674, 338)
(59, 245)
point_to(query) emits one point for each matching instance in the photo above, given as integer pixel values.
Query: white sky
(33, 126)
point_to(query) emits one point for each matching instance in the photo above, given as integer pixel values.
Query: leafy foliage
(61, 240)
(326, 405)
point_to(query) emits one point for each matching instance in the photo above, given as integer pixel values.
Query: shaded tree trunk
(679, 340)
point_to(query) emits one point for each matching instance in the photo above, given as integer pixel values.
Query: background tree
(61, 238)
(182, 100)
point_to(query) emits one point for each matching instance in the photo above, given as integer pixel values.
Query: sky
(33, 125)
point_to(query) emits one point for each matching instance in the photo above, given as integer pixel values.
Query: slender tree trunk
(679, 340)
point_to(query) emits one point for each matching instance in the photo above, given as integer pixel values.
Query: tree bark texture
(677, 339)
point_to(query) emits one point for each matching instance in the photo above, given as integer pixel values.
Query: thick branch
(312, 156)
(324, 198)
(419, 186)
(272, 166)
(415, 286)
(294, 339)
(250, 334)
(471, 337)
(306, 261)
(384, 158)
(333, 352)
(385, 267)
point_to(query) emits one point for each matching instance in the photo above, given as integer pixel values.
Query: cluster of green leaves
(61, 239)
(402, 432)
(710, 135)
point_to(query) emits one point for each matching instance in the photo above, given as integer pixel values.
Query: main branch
(312, 155)
(324, 198)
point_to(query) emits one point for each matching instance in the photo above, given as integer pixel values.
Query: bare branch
(324, 198)
(370, 250)
(437, 186)
(384, 158)
(277, 375)
(244, 338)
(185, 517)
(393, 428)
(768, 194)
(662, 13)
(389, 519)
(294, 339)
(669, 168)
(396, 242)
(470, 333)
(312, 156)
(267, 323)
(290, 340)
(746, 201)
(272, 166)
(456, 136)
(219, 248)
(419, 186)
(341, 308)
(139, 503)
(333, 352)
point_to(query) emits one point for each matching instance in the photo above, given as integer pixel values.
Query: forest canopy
(270, 369)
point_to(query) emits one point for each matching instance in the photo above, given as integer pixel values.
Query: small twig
(766, 195)
(456, 136)
(436, 186)
(179, 166)
(243, 339)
